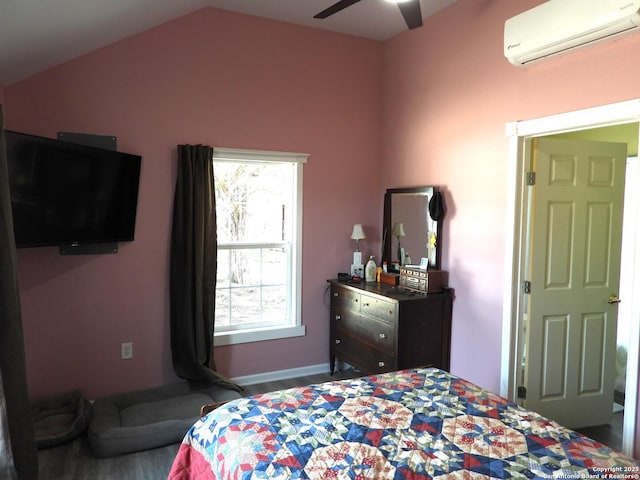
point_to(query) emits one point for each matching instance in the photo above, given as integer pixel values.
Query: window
(259, 222)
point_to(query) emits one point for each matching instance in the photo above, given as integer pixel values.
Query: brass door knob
(613, 299)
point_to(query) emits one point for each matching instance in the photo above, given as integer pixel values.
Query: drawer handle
(338, 317)
(383, 336)
(381, 364)
(338, 341)
(367, 304)
(355, 300)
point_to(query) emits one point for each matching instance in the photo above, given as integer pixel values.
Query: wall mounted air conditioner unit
(558, 26)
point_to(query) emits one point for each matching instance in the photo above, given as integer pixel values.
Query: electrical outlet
(126, 351)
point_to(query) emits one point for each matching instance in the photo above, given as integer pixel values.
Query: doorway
(520, 135)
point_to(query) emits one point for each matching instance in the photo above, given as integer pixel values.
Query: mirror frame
(387, 225)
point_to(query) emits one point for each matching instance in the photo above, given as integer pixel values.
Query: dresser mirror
(412, 226)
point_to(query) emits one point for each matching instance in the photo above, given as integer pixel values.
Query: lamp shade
(358, 232)
(398, 229)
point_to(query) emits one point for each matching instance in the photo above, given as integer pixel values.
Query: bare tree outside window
(231, 197)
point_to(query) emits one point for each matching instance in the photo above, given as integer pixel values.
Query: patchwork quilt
(412, 424)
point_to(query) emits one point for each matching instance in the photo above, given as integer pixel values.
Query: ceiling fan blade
(335, 8)
(411, 13)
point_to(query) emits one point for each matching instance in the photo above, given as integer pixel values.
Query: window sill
(257, 335)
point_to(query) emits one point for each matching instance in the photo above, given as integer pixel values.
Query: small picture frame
(424, 263)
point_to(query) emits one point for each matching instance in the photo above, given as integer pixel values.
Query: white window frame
(295, 329)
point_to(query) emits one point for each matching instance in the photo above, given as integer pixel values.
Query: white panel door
(574, 270)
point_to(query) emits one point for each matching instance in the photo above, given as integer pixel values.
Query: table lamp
(398, 231)
(357, 234)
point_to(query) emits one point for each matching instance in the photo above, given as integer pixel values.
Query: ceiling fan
(410, 10)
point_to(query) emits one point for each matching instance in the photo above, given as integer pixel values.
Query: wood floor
(75, 460)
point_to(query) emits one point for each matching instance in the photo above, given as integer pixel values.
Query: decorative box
(389, 278)
(420, 280)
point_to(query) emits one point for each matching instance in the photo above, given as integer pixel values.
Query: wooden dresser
(379, 328)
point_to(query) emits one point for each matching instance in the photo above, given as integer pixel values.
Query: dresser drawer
(368, 359)
(377, 334)
(377, 308)
(345, 298)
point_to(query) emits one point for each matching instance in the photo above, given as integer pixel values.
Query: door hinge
(526, 287)
(522, 392)
(531, 178)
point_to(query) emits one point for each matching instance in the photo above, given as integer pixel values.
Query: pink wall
(448, 94)
(222, 79)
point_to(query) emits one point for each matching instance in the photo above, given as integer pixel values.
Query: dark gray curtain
(18, 455)
(193, 268)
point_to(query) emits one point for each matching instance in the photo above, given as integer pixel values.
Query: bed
(411, 424)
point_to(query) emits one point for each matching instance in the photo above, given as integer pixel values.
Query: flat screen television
(64, 193)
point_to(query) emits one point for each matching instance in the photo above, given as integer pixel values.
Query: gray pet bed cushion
(60, 419)
(147, 419)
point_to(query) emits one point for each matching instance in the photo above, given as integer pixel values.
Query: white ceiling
(36, 34)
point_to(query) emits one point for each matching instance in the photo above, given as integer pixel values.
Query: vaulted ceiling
(36, 35)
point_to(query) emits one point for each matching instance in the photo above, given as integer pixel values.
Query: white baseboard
(281, 374)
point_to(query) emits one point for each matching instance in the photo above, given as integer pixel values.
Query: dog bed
(146, 419)
(60, 419)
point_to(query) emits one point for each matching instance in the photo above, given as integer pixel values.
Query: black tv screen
(68, 194)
